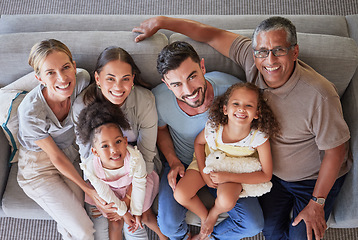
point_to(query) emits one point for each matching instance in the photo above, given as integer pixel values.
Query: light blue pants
(245, 219)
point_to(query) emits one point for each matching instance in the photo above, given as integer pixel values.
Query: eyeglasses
(277, 52)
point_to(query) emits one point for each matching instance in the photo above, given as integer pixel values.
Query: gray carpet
(165, 7)
(20, 229)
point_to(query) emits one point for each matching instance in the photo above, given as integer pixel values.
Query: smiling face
(110, 146)
(275, 70)
(188, 83)
(242, 106)
(116, 81)
(58, 74)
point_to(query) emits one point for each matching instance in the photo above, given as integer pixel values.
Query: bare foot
(199, 236)
(208, 226)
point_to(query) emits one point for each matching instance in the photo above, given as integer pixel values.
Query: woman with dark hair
(117, 80)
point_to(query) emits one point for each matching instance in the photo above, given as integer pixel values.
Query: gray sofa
(327, 43)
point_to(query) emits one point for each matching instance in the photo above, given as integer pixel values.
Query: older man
(310, 156)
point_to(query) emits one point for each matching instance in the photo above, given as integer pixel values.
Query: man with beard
(182, 102)
(310, 156)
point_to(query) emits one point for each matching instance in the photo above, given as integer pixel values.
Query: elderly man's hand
(313, 215)
(147, 29)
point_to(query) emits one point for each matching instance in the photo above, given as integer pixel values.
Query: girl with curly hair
(118, 170)
(240, 123)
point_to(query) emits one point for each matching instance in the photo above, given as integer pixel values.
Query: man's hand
(147, 29)
(175, 170)
(313, 215)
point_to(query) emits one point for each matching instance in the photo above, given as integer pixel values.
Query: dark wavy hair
(266, 121)
(109, 54)
(173, 55)
(98, 114)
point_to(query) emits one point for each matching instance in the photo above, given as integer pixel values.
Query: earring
(99, 87)
(132, 86)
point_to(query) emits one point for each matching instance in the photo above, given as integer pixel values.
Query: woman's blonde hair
(42, 49)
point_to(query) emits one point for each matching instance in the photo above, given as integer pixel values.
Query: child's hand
(113, 217)
(131, 222)
(208, 181)
(219, 177)
(138, 220)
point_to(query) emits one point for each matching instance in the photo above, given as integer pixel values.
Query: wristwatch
(320, 201)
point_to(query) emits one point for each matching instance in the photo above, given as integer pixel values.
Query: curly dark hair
(96, 115)
(266, 121)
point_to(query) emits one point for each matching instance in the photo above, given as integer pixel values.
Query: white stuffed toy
(217, 161)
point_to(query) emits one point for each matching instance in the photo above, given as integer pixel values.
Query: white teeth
(271, 68)
(117, 94)
(194, 96)
(240, 115)
(64, 87)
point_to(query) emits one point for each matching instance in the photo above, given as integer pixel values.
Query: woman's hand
(102, 206)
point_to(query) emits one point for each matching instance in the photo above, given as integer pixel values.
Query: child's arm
(139, 181)
(264, 175)
(103, 190)
(199, 147)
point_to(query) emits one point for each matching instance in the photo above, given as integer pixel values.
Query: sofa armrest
(345, 211)
(4, 162)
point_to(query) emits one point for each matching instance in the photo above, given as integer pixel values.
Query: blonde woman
(46, 133)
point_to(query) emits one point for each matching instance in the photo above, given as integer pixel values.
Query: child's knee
(180, 195)
(226, 202)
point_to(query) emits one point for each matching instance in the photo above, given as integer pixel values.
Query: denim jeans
(285, 197)
(244, 220)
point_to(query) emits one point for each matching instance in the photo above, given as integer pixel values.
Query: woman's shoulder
(82, 80)
(143, 91)
(32, 102)
(140, 97)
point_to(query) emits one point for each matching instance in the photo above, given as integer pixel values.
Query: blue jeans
(286, 196)
(245, 219)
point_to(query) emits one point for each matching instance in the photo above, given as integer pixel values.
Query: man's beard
(199, 102)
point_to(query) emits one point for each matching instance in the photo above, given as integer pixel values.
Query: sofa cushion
(10, 100)
(85, 47)
(15, 203)
(334, 57)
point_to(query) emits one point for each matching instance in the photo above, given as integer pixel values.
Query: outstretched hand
(313, 215)
(146, 29)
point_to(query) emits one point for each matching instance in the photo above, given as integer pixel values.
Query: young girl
(239, 124)
(117, 170)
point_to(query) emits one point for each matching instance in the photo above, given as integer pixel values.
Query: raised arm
(219, 39)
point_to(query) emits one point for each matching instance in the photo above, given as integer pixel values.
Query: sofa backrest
(318, 24)
(85, 47)
(334, 57)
